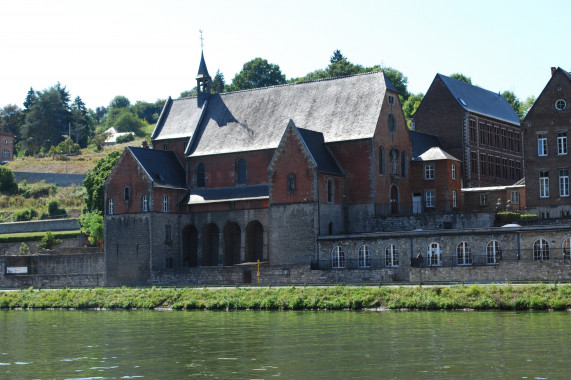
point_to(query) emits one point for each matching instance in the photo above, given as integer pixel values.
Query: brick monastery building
(321, 182)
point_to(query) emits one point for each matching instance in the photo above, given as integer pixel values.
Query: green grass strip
(477, 297)
(35, 236)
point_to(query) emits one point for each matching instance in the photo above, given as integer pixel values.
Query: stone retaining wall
(39, 226)
(60, 179)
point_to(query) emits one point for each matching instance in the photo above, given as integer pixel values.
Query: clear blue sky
(148, 50)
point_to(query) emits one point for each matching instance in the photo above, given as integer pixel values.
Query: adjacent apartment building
(546, 129)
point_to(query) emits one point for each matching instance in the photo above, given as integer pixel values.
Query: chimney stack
(553, 70)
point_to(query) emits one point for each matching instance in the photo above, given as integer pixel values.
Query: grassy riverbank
(478, 297)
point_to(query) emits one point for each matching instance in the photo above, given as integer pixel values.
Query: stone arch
(254, 241)
(210, 243)
(232, 243)
(189, 246)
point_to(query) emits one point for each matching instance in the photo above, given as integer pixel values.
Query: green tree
(399, 81)
(47, 120)
(11, 119)
(410, 106)
(100, 113)
(343, 68)
(128, 122)
(8, 183)
(91, 224)
(336, 57)
(218, 83)
(189, 93)
(461, 77)
(257, 73)
(514, 102)
(119, 101)
(527, 104)
(80, 122)
(149, 111)
(94, 182)
(31, 98)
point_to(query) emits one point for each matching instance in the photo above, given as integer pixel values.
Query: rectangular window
(544, 183)
(563, 182)
(391, 99)
(517, 142)
(453, 171)
(542, 144)
(482, 134)
(484, 199)
(512, 170)
(497, 137)
(428, 171)
(511, 140)
(498, 167)
(145, 203)
(474, 162)
(517, 170)
(430, 199)
(165, 203)
(168, 238)
(515, 197)
(561, 143)
(111, 209)
(491, 166)
(454, 199)
(505, 167)
(504, 140)
(473, 132)
(482, 164)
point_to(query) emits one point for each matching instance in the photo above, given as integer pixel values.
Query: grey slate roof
(226, 194)
(426, 147)
(321, 155)
(345, 108)
(478, 100)
(163, 167)
(202, 70)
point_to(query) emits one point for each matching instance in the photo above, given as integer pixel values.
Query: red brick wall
(220, 168)
(544, 117)
(354, 159)
(127, 172)
(443, 184)
(339, 189)
(292, 159)
(177, 146)
(6, 145)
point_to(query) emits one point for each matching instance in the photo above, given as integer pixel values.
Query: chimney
(553, 70)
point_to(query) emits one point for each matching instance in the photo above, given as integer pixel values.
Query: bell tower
(202, 78)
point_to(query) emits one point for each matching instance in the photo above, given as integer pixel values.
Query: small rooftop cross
(201, 40)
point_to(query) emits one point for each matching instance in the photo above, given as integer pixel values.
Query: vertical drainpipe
(318, 245)
(466, 147)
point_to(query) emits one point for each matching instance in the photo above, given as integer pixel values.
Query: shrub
(36, 190)
(91, 224)
(54, 208)
(24, 215)
(7, 181)
(125, 138)
(24, 250)
(48, 241)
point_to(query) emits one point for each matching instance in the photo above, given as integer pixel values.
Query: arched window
(127, 193)
(391, 256)
(394, 153)
(566, 249)
(201, 175)
(403, 164)
(330, 194)
(381, 160)
(464, 253)
(291, 183)
(541, 249)
(240, 174)
(145, 201)
(493, 252)
(391, 124)
(337, 257)
(434, 254)
(364, 257)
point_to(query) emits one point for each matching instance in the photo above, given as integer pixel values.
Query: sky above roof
(149, 50)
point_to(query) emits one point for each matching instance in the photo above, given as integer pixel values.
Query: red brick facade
(6, 146)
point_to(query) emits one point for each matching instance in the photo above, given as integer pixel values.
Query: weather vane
(201, 40)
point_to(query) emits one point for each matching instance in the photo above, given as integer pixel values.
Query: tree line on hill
(50, 122)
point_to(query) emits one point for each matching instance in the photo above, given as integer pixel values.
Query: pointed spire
(202, 70)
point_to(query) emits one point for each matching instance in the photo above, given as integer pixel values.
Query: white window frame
(515, 196)
(145, 203)
(544, 184)
(464, 253)
(391, 255)
(430, 199)
(433, 254)
(561, 143)
(453, 171)
(563, 182)
(484, 199)
(493, 252)
(566, 248)
(337, 257)
(364, 255)
(454, 199)
(429, 171)
(542, 144)
(540, 250)
(165, 203)
(111, 207)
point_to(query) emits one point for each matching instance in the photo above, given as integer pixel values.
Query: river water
(65, 344)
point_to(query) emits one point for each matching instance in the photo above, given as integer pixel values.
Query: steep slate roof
(478, 100)
(426, 147)
(164, 169)
(345, 108)
(321, 155)
(228, 194)
(202, 70)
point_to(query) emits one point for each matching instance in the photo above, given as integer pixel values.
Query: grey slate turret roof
(426, 147)
(202, 70)
(341, 109)
(162, 167)
(478, 100)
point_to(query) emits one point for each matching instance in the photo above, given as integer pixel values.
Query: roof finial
(201, 40)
